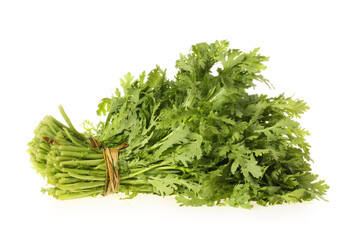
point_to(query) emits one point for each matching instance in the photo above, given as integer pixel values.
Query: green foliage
(201, 137)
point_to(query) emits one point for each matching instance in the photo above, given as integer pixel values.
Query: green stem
(84, 177)
(77, 163)
(82, 155)
(68, 180)
(67, 120)
(66, 195)
(134, 182)
(61, 175)
(144, 170)
(45, 146)
(159, 143)
(73, 148)
(81, 185)
(96, 173)
(72, 138)
(218, 94)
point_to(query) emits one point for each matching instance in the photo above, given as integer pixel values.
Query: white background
(74, 52)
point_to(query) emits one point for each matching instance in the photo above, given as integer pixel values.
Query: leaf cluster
(234, 147)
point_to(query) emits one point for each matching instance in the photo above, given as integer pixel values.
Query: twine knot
(112, 181)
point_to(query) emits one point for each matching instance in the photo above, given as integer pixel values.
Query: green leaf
(104, 107)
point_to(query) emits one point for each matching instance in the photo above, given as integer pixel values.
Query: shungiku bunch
(202, 137)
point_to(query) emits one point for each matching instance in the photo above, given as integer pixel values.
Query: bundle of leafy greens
(201, 137)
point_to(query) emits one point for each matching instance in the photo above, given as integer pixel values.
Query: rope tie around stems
(112, 181)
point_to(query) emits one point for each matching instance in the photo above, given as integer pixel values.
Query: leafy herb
(201, 137)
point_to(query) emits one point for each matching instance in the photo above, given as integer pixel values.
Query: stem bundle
(69, 163)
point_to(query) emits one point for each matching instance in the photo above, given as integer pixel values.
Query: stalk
(145, 170)
(69, 123)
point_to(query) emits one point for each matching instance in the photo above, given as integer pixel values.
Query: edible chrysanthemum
(201, 137)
